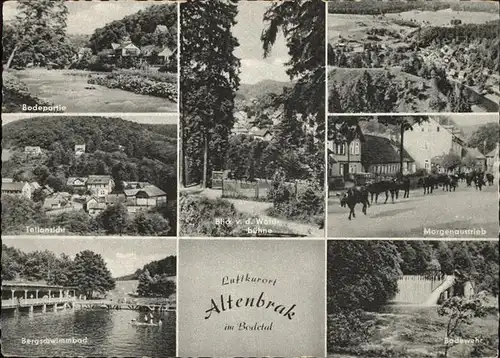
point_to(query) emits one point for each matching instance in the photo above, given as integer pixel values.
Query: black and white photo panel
(413, 176)
(89, 175)
(92, 297)
(89, 56)
(252, 119)
(413, 56)
(412, 298)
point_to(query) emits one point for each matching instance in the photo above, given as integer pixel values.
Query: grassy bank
(15, 94)
(413, 333)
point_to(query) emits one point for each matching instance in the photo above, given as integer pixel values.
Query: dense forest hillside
(167, 266)
(124, 150)
(372, 7)
(146, 152)
(142, 28)
(251, 91)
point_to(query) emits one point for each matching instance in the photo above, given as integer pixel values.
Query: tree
(303, 26)
(91, 274)
(41, 33)
(460, 311)
(151, 224)
(450, 161)
(486, 137)
(209, 80)
(361, 274)
(114, 219)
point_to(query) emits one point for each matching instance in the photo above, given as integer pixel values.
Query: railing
(35, 301)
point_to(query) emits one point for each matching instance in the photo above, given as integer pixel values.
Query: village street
(464, 209)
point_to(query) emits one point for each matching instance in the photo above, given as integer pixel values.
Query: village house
(381, 155)
(17, 188)
(341, 162)
(32, 151)
(84, 52)
(35, 186)
(47, 190)
(53, 203)
(100, 185)
(262, 134)
(144, 199)
(77, 183)
(79, 149)
(125, 48)
(93, 206)
(492, 161)
(431, 139)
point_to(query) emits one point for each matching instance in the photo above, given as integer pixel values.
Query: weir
(423, 290)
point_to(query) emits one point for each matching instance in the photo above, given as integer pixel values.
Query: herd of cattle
(362, 194)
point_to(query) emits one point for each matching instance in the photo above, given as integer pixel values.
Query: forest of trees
(383, 92)
(87, 271)
(155, 278)
(167, 266)
(127, 151)
(141, 27)
(374, 7)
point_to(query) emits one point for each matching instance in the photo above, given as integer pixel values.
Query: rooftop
(380, 150)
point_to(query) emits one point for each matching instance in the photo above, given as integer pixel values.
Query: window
(437, 129)
(356, 148)
(426, 164)
(423, 129)
(426, 145)
(341, 169)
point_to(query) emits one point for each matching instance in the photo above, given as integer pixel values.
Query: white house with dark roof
(100, 185)
(79, 149)
(33, 151)
(77, 182)
(17, 188)
(94, 206)
(144, 198)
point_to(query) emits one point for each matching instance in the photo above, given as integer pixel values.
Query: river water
(108, 333)
(68, 88)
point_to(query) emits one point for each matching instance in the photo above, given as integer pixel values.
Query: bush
(137, 84)
(347, 329)
(200, 214)
(307, 206)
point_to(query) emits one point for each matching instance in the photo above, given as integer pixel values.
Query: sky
(249, 27)
(83, 19)
(123, 256)
(150, 118)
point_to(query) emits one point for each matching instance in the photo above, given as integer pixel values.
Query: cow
(428, 182)
(469, 178)
(443, 180)
(479, 181)
(453, 182)
(354, 196)
(402, 183)
(490, 177)
(384, 186)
